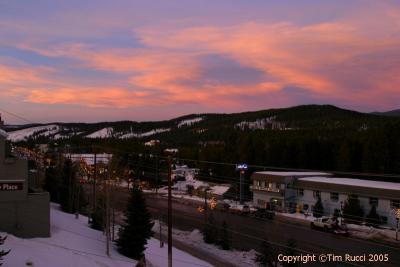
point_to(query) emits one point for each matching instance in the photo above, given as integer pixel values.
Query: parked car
(261, 213)
(324, 222)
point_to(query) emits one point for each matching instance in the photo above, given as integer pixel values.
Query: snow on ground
(23, 134)
(74, 244)
(367, 232)
(195, 239)
(103, 133)
(189, 122)
(145, 134)
(220, 189)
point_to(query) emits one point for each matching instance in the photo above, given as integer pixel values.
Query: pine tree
(67, 186)
(3, 252)
(373, 218)
(225, 239)
(137, 229)
(210, 232)
(318, 209)
(352, 210)
(98, 215)
(267, 256)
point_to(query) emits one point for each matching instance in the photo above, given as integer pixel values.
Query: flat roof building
(25, 210)
(299, 191)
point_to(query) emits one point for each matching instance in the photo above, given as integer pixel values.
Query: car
(325, 223)
(261, 213)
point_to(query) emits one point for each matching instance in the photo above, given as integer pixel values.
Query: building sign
(11, 186)
(241, 167)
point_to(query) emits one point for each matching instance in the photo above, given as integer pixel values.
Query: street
(248, 232)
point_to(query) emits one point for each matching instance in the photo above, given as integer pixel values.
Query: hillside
(196, 126)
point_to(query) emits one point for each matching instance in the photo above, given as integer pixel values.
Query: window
(395, 204)
(282, 186)
(300, 192)
(373, 201)
(316, 193)
(384, 219)
(334, 196)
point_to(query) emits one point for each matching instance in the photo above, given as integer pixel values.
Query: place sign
(11, 186)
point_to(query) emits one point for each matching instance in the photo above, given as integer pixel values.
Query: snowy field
(74, 244)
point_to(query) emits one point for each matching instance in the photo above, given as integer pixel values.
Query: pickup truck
(326, 223)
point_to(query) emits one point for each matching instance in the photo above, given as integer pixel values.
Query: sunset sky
(98, 60)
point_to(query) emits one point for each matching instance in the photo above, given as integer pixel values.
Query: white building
(291, 191)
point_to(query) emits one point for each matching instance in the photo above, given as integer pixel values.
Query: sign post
(242, 168)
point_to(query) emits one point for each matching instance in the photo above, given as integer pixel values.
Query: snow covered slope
(24, 134)
(74, 244)
(103, 133)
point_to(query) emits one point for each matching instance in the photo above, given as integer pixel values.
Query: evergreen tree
(373, 218)
(267, 256)
(137, 229)
(291, 251)
(3, 252)
(52, 183)
(352, 210)
(98, 215)
(210, 232)
(225, 239)
(68, 178)
(318, 209)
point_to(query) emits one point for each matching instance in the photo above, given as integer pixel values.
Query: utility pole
(169, 212)
(77, 201)
(156, 174)
(205, 205)
(94, 186)
(107, 218)
(161, 241)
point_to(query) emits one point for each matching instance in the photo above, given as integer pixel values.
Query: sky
(101, 60)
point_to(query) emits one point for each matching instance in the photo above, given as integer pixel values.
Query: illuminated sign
(11, 186)
(241, 166)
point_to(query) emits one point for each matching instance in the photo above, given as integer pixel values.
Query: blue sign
(241, 166)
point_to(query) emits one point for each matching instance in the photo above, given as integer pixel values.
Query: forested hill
(312, 136)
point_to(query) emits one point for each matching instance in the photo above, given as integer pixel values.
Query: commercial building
(299, 192)
(25, 208)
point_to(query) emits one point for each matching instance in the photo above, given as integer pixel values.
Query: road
(248, 232)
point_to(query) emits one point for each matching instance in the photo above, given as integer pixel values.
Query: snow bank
(195, 239)
(73, 243)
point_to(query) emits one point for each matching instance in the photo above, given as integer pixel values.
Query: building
(299, 191)
(25, 209)
(275, 189)
(334, 192)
